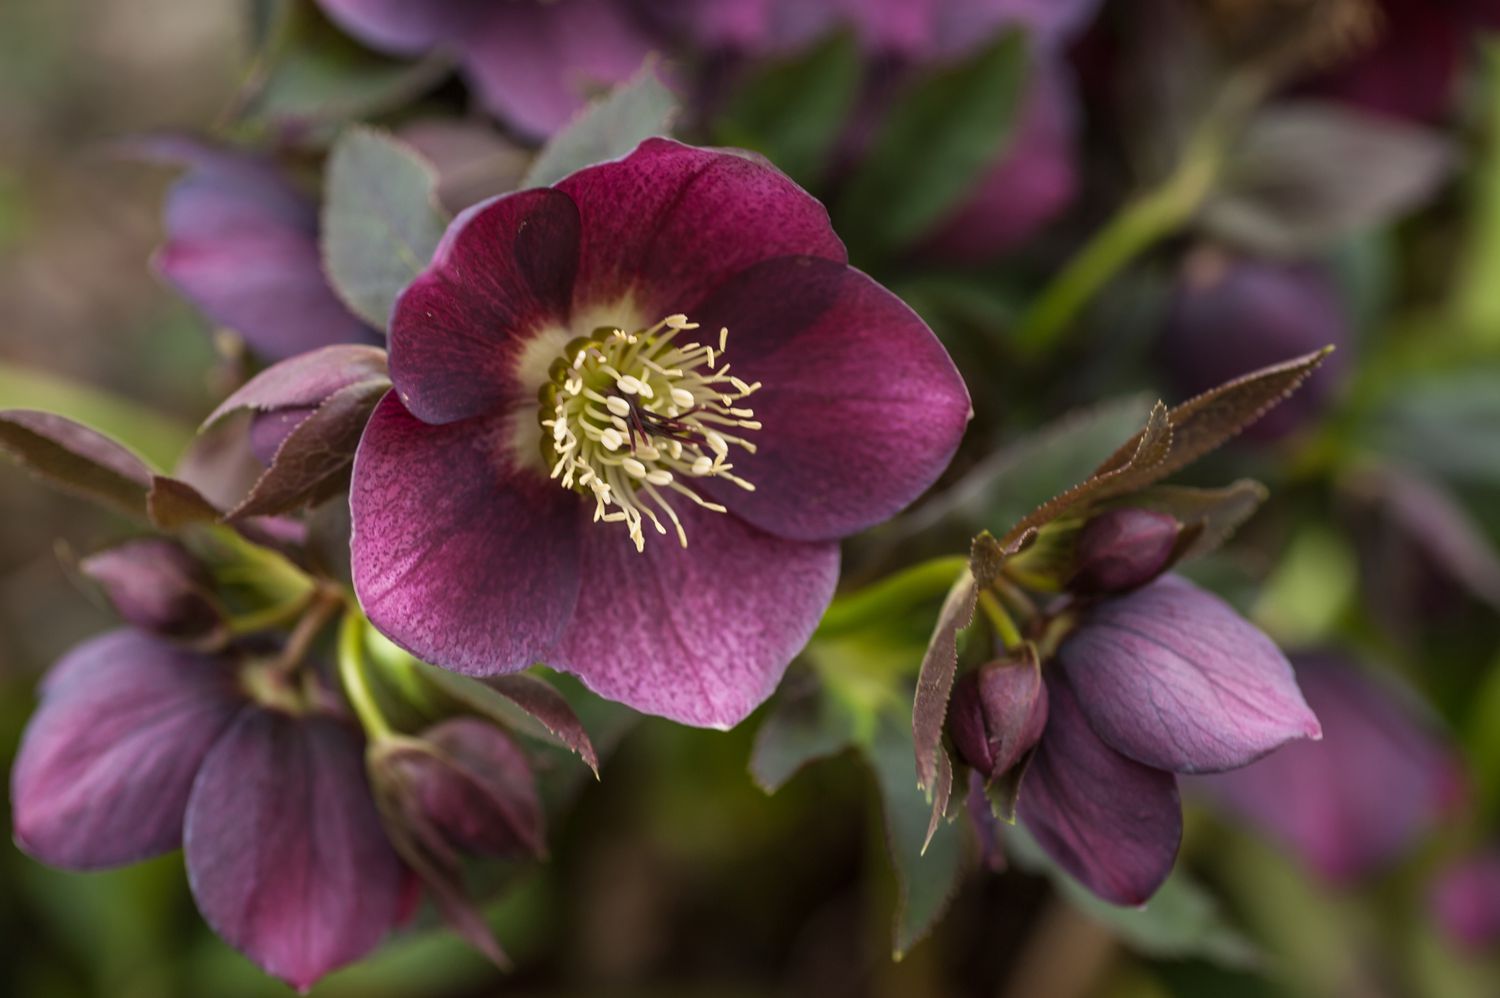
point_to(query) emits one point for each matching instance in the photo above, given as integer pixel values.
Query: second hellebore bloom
(633, 415)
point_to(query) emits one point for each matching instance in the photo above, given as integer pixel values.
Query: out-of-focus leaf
(1308, 174)
(381, 220)
(76, 459)
(1477, 296)
(608, 128)
(1181, 920)
(173, 504)
(1443, 423)
(1220, 512)
(793, 111)
(312, 459)
(150, 434)
(934, 146)
(803, 726)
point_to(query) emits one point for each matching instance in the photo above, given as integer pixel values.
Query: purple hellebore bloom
(566, 361)
(532, 63)
(1167, 679)
(1352, 803)
(1233, 315)
(1465, 899)
(242, 245)
(156, 585)
(140, 746)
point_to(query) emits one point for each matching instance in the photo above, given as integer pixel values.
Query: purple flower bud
(154, 584)
(1465, 901)
(1233, 315)
(1123, 549)
(997, 714)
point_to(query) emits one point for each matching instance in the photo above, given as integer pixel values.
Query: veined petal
(861, 406)
(459, 556)
(1171, 676)
(107, 762)
(1106, 819)
(285, 852)
(700, 634)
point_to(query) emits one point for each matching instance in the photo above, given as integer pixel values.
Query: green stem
(893, 595)
(356, 682)
(1000, 620)
(269, 617)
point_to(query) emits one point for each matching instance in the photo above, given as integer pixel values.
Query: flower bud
(1123, 549)
(997, 714)
(155, 585)
(463, 787)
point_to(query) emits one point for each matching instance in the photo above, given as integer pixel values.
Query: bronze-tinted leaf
(308, 379)
(173, 504)
(76, 459)
(1217, 513)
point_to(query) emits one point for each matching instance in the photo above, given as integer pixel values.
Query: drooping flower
(1352, 803)
(1465, 900)
(632, 416)
(532, 63)
(242, 245)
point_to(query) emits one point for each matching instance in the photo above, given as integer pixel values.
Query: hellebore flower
(242, 246)
(1466, 901)
(140, 746)
(569, 468)
(532, 63)
(1232, 315)
(1355, 801)
(1167, 679)
(155, 585)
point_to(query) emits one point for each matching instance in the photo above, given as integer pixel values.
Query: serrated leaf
(935, 680)
(934, 147)
(793, 111)
(381, 220)
(76, 459)
(307, 379)
(608, 128)
(1307, 174)
(312, 460)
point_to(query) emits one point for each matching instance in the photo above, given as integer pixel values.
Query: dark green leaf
(608, 128)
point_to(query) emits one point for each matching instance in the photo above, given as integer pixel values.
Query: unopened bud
(1123, 549)
(997, 714)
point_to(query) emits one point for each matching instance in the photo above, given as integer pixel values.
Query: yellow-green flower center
(633, 418)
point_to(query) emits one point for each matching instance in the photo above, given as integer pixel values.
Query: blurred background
(1074, 266)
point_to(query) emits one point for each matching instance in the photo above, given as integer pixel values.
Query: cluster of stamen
(632, 418)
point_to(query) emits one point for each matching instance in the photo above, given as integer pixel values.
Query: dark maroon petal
(1380, 779)
(669, 223)
(154, 584)
(285, 853)
(1466, 901)
(1413, 69)
(502, 274)
(107, 761)
(404, 27)
(459, 555)
(699, 634)
(861, 406)
(1122, 549)
(1171, 676)
(1108, 820)
(536, 64)
(242, 246)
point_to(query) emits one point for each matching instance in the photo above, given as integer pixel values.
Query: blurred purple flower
(140, 746)
(1167, 679)
(1346, 806)
(532, 63)
(1465, 900)
(565, 307)
(155, 585)
(242, 245)
(1231, 315)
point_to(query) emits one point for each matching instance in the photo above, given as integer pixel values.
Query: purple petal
(503, 272)
(1353, 802)
(404, 27)
(536, 64)
(460, 556)
(107, 761)
(285, 853)
(1121, 549)
(700, 634)
(668, 224)
(960, 25)
(1172, 677)
(242, 246)
(1111, 822)
(1466, 901)
(155, 585)
(861, 406)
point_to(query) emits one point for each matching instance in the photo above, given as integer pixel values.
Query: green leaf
(1444, 423)
(608, 128)
(793, 111)
(803, 726)
(381, 220)
(934, 147)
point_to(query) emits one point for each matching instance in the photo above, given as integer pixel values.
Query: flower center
(636, 417)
